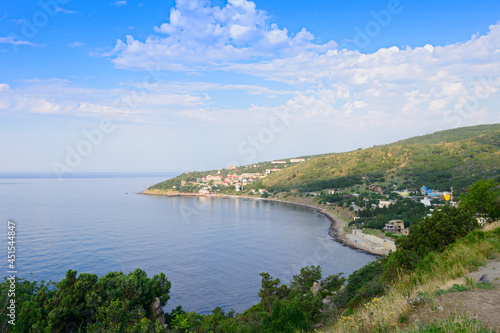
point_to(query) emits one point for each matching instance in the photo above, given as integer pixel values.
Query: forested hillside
(443, 159)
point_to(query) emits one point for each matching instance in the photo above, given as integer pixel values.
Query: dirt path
(483, 304)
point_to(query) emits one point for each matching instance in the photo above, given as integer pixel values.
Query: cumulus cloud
(43, 106)
(475, 57)
(199, 35)
(431, 81)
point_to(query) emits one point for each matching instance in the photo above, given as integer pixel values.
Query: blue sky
(190, 84)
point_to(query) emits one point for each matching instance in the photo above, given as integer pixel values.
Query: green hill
(456, 157)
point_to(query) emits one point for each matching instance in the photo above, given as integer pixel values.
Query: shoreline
(336, 229)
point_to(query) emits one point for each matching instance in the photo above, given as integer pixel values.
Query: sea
(211, 249)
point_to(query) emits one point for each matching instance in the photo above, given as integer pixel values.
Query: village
(237, 177)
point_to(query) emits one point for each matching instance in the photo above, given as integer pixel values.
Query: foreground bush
(116, 302)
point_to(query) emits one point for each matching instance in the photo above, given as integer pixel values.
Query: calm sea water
(212, 250)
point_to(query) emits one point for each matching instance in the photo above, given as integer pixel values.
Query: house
(426, 202)
(183, 182)
(331, 191)
(262, 190)
(205, 190)
(447, 196)
(429, 192)
(385, 203)
(375, 188)
(395, 227)
(278, 162)
(355, 207)
(296, 160)
(404, 194)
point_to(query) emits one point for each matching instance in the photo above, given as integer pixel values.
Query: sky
(149, 86)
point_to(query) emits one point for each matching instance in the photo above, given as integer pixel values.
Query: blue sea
(211, 249)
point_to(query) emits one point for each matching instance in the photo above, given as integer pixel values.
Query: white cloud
(199, 34)
(76, 44)
(98, 109)
(52, 96)
(18, 21)
(65, 11)
(43, 106)
(14, 41)
(4, 87)
(119, 3)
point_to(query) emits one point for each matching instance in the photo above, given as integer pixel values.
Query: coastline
(336, 229)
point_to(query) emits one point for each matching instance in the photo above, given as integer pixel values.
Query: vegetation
(406, 209)
(457, 158)
(484, 198)
(282, 308)
(434, 234)
(116, 302)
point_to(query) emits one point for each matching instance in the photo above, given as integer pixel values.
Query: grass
(436, 272)
(452, 324)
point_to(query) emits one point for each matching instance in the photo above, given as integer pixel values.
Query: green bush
(434, 234)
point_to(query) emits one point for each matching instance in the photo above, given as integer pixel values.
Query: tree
(271, 290)
(435, 233)
(362, 285)
(305, 280)
(286, 317)
(334, 282)
(484, 197)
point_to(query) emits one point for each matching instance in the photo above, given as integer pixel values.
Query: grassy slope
(459, 153)
(382, 314)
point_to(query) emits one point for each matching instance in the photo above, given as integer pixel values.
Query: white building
(383, 203)
(426, 202)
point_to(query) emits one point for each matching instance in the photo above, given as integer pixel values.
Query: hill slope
(456, 157)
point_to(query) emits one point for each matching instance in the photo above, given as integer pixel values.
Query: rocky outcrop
(158, 313)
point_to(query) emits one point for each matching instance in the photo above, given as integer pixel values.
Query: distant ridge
(451, 135)
(455, 157)
(450, 158)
